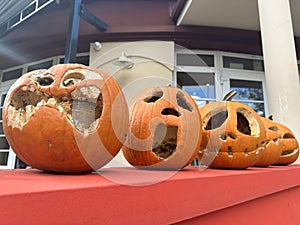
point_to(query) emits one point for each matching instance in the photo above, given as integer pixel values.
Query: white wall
(153, 66)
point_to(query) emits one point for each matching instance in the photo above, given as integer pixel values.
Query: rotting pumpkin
(290, 148)
(70, 118)
(274, 144)
(164, 130)
(233, 135)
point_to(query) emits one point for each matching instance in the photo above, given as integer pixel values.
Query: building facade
(204, 47)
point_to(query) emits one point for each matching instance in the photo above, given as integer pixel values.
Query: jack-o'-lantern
(164, 129)
(290, 149)
(233, 135)
(274, 144)
(70, 118)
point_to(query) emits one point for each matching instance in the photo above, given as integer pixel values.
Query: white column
(282, 81)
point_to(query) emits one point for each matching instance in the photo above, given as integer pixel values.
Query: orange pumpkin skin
(78, 127)
(233, 135)
(290, 149)
(274, 144)
(163, 129)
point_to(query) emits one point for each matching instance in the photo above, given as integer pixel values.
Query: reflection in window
(42, 65)
(3, 143)
(84, 60)
(258, 107)
(243, 64)
(1, 128)
(3, 158)
(201, 86)
(19, 164)
(195, 60)
(249, 93)
(247, 90)
(3, 99)
(12, 74)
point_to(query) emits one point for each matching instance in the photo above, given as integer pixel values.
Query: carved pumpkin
(274, 144)
(68, 119)
(233, 135)
(163, 130)
(290, 149)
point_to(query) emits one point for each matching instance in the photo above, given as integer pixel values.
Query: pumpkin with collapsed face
(163, 129)
(70, 118)
(233, 135)
(290, 149)
(274, 144)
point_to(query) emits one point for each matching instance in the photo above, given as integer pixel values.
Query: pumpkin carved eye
(216, 120)
(243, 124)
(157, 94)
(288, 136)
(182, 102)
(42, 79)
(72, 79)
(246, 122)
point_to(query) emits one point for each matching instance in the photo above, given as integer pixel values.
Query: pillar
(280, 61)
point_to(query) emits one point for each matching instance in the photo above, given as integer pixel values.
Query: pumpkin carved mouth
(289, 138)
(83, 107)
(289, 152)
(167, 146)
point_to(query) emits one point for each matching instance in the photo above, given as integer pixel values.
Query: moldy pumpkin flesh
(70, 118)
(163, 130)
(233, 135)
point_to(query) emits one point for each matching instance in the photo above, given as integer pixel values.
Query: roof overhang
(237, 14)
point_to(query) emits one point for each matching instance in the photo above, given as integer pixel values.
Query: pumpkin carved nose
(170, 111)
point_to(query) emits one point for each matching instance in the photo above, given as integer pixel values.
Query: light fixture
(97, 46)
(124, 61)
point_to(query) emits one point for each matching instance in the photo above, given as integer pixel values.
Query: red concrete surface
(253, 196)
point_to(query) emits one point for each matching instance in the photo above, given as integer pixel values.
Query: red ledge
(129, 196)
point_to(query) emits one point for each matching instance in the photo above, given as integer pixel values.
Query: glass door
(250, 88)
(196, 74)
(7, 156)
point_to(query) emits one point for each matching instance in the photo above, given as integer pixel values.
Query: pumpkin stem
(229, 95)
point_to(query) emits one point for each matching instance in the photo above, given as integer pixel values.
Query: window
(209, 75)
(195, 60)
(28, 10)
(83, 59)
(201, 86)
(242, 63)
(249, 93)
(12, 74)
(4, 146)
(3, 158)
(41, 65)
